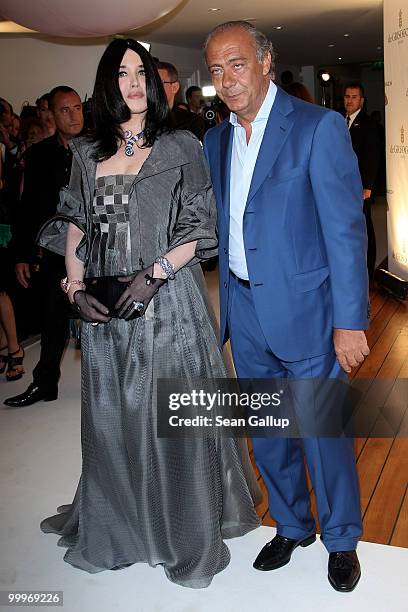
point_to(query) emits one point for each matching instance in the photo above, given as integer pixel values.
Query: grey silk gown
(141, 498)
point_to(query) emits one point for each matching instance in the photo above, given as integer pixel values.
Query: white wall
(30, 66)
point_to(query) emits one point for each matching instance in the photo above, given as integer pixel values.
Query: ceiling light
(278, 27)
(340, 58)
(379, 48)
(346, 35)
(9, 27)
(213, 10)
(331, 45)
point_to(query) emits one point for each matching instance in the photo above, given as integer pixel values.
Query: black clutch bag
(107, 290)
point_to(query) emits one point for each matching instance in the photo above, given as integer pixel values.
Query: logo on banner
(401, 256)
(401, 33)
(402, 148)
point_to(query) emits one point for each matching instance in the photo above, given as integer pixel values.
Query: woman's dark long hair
(109, 109)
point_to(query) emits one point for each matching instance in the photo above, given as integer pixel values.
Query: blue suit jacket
(304, 229)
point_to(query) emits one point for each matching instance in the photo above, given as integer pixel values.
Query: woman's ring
(137, 306)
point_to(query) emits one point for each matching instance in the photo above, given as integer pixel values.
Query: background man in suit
(182, 119)
(365, 138)
(47, 169)
(194, 97)
(293, 279)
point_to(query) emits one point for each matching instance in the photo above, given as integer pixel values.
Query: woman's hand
(89, 309)
(136, 297)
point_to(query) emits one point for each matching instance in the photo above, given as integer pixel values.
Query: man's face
(34, 134)
(353, 100)
(67, 111)
(239, 79)
(195, 100)
(170, 88)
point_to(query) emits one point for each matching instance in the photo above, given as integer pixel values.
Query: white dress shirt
(352, 117)
(243, 162)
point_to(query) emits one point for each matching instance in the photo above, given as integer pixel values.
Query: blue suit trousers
(331, 461)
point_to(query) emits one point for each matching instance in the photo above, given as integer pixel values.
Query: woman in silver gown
(130, 201)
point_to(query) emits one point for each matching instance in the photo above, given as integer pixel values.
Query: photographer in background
(214, 112)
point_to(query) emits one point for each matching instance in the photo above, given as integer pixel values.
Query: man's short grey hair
(261, 42)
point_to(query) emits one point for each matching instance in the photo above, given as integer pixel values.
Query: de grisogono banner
(396, 121)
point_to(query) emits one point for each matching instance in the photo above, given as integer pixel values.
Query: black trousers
(55, 311)
(371, 247)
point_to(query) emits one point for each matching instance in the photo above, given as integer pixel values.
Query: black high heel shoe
(13, 363)
(3, 360)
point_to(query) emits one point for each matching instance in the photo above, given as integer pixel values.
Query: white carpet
(40, 467)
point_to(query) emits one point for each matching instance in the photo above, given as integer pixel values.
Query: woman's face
(15, 127)
(34, 134)
(132, 82)
(45, 115)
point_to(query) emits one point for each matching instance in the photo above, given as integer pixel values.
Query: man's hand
(366, 194)
(23, 274)
(351, 347)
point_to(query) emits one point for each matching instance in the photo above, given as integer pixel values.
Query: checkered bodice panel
(110, 253)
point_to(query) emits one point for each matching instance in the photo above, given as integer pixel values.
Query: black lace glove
(136, 297)
(89, 308)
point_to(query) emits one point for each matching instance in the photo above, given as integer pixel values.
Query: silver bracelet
(166, 266)
(66, 284)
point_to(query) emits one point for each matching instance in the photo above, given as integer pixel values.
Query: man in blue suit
(293, 279)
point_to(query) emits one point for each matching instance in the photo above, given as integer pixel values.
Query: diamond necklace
(130, 141)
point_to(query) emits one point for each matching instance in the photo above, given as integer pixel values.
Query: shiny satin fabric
(141, 498)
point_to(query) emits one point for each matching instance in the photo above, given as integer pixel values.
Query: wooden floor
(382, 463)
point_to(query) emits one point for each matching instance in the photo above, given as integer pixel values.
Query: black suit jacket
(365, 138)
(47, 169)
(184, 120)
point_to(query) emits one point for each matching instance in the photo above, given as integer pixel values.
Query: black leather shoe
(344, 570)
(278, 552)
(30, 396)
